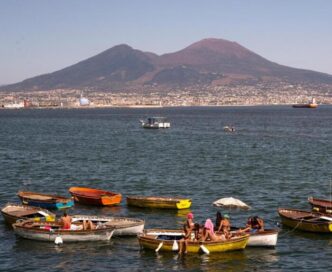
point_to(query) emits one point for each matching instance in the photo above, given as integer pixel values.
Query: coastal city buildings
(259, 94)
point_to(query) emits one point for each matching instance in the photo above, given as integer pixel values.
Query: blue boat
(45, 201)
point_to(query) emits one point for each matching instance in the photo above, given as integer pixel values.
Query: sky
(43, 36)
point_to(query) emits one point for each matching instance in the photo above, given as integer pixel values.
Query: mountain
(209, 62)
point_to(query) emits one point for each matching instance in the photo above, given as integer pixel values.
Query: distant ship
(310, 105)
(14, 105)
(156, 122)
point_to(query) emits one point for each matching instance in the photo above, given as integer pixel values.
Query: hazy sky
(42, 36)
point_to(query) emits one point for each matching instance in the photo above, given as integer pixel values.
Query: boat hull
(159, 202)
(310, 106)
(266, 238)
(123, 226)
(13, 212)
(263, 239)
(89, 196)
(50, 235)
(45, 201)
(151, 241)
(304, 221)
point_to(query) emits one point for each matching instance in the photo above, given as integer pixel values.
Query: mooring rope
(290, 231)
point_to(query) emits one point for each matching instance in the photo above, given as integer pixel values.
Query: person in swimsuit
(188, 227)
(208, 232)
(66, 221)
(225, 226)
(254, 224)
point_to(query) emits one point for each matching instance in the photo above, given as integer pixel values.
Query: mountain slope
(207, 62)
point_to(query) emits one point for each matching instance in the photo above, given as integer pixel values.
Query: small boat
(320, 205)
(265, 238)
(305, 221)
(123, 226)
(156, 122)
(229, 129)
(159, 202)
(312, 104)
(168, 240)
(13, 212)
(53, 232)
(96, 197)
(45, 201)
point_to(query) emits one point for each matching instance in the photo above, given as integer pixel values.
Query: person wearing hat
(225, 226)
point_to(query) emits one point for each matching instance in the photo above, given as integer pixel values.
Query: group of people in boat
(67, 224)
(221, 231)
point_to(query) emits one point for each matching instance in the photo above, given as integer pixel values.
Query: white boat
(156, 122)
(266, 238)
(229, 129)
(53, 232)
(123, 226)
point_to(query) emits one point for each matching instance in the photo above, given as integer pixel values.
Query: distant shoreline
(152, 106)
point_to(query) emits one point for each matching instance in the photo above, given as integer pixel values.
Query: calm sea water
(277, 157)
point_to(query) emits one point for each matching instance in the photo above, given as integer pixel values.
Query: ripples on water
(278, 156)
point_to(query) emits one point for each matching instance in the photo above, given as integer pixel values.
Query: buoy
(58, 240)
(175, 246)
(204, 249)
(159, 247)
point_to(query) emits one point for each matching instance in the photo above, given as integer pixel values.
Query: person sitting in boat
(219, 218)
(88, 225)
(188, 227)
(209, 234)
(224, 226)
(254, 224)
(257, 223)
(198, 232)
(66, 221)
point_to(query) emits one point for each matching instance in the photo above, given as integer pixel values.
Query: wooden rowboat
(13, 212)
(168, 240)
(45, 201)
(159, 202)
(321, 205)
(53, 232)
(305, 221)
(265, 238)
(96, 197)
(123, 226)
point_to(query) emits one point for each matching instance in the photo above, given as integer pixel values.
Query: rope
(290, 231)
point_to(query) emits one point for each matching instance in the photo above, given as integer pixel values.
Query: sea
(278, 156)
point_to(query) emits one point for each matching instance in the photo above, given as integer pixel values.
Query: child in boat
(198, 232)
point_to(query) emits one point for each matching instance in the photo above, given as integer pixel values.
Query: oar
(159, 247)
(326, 218)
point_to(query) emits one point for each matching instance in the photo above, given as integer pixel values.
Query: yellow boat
(168, 240)
(159, 202)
